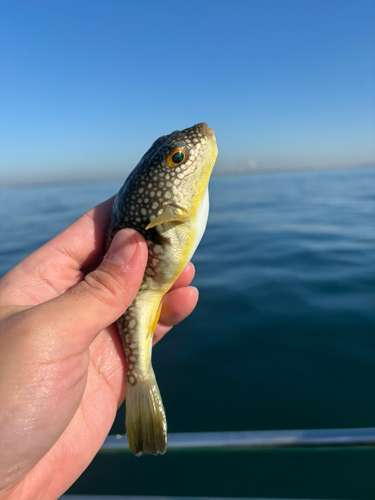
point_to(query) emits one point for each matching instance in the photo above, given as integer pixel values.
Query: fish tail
(146, 425)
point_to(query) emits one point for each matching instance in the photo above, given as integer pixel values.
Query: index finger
(56, 266)
(82, 242)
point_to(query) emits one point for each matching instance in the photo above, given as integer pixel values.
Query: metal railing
(257, 440)
(124, 497)
(244, 440)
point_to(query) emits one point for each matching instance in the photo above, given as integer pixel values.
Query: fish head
(177, 167)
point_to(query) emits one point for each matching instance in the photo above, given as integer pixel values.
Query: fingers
(83, 241)
(177, 305)
(186, 277)
(56, 266)
(77, 316)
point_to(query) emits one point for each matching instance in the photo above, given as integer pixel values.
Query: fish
(165, 198)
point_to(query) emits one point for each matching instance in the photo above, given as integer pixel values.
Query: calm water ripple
(284, 332)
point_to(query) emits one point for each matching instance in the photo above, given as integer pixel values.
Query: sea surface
(283, 336)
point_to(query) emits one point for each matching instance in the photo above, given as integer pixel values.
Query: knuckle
(105, 286)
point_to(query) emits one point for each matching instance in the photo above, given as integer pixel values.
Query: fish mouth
(201, 129)
(206, 130)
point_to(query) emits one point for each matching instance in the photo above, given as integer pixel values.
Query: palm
(88, 382)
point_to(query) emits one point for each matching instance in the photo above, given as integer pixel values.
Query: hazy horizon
(118, 179)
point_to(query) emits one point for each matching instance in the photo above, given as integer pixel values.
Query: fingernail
(123, 247)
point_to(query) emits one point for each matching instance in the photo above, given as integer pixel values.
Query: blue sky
(87, 86)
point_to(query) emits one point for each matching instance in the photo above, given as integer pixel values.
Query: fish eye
(176, 157)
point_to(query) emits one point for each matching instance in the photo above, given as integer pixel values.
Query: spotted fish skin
(165, 198)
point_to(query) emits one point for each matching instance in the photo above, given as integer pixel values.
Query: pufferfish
(165, 198)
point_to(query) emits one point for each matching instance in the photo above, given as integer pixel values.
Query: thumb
(75, 318)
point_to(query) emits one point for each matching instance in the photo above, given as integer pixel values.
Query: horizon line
(19, 185)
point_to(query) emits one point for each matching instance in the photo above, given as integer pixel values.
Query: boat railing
(242, 440)
(255, 440)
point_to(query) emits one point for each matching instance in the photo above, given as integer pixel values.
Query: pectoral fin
(169, 214)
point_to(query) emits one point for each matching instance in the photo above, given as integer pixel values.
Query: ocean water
(283, 336)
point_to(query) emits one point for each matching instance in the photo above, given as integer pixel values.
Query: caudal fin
(146, 425)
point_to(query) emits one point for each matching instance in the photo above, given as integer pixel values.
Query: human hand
(61, 360)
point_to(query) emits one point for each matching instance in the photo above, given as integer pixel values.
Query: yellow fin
(146, 425)
(169, 214)
(155, 321)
